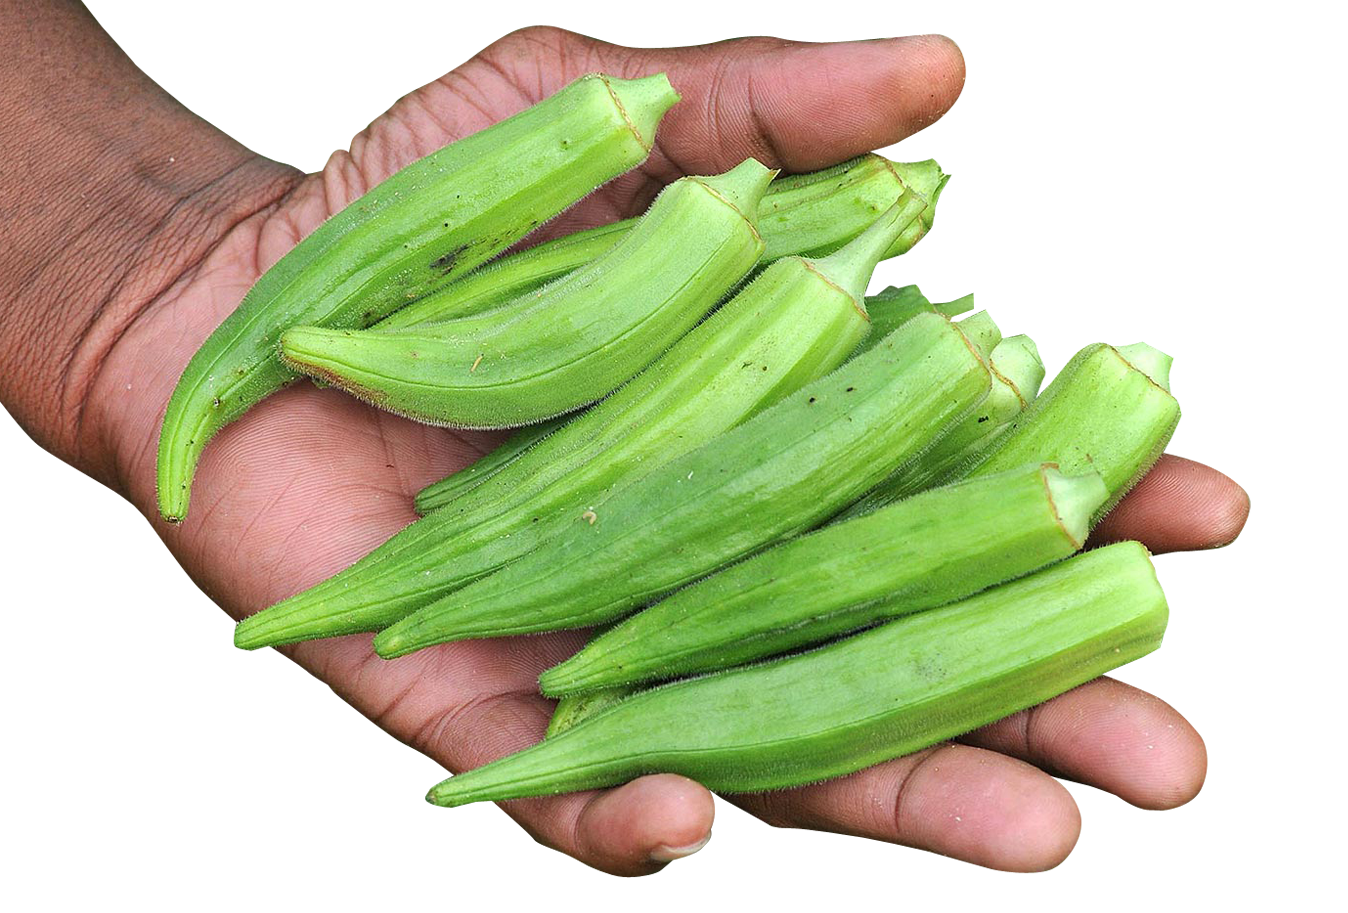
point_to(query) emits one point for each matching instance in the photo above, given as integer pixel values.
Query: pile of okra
(810, 529)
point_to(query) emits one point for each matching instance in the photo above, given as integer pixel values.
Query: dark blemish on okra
(446, 263)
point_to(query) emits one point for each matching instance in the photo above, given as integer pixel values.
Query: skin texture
(85, 313)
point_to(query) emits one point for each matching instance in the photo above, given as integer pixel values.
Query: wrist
(117, 192)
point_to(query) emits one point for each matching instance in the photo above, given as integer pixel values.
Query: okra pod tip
(742, 186)
(1150, 361)
(643, 102)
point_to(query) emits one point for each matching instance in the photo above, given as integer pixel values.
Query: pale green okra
(886, 692)
(423, 227)
(922, 552)
(807, 215)
(573, 342)
(1110, 409)
(795, 322)
(779, 474)
(1017, 373)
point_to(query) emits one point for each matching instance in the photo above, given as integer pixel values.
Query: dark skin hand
(132, 228)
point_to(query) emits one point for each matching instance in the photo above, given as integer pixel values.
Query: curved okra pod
(923, 552)
(807, 215)
(794, 323)
(424, 226)
(576, 339)
(878, 695)
(778, 474)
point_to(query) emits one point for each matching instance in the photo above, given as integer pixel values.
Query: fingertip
(804, 106)
(1022, 820)
(1052, 823)
(642, 826)
(940, 60)
(1180, 505)
(1229, 522)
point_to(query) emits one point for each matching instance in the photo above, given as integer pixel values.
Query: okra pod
(982, 331)
(484, 467)
(887, 692)
(928, 550)
(807, 215)
(776, 475)
(421, 228)
(1017, 373)
(572, 708)
(573, 341)
(1109, 409)
(892, 307)
(795, 322)
(509, 278)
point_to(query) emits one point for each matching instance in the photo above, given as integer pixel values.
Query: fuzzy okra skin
(573, 708)
(892, 307)
(807, 215)
(421, 228)
(881, 694)
(510, 278)
(778, 474)
(923, 552)
(577, 339)
(1109, 409)
(1017, 373)
(484, 467)
(794, 323)
(798, 302)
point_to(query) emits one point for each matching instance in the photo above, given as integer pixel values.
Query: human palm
(311, 479)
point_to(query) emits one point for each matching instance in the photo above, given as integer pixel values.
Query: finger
(1111, 736)
(794, 105)
(956, 800)
(791, 104)
(634, 829)
(1178, 506)
(469, 703)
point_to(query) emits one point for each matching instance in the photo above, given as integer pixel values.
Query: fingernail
(664, 853)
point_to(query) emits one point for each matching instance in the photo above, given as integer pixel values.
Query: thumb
(799, 106)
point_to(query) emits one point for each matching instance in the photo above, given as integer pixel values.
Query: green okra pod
(937, 547)
(485, 466)
(887, 692)
(776, 475)
(982, 331)
(1017, 373)
(572, 708)
(573, 341)
(795, 322)
(509, 278)
(892, 307)
(807, 215)
(1110, 409)
(432, 221)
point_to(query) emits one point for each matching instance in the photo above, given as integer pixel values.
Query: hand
(311, 480)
